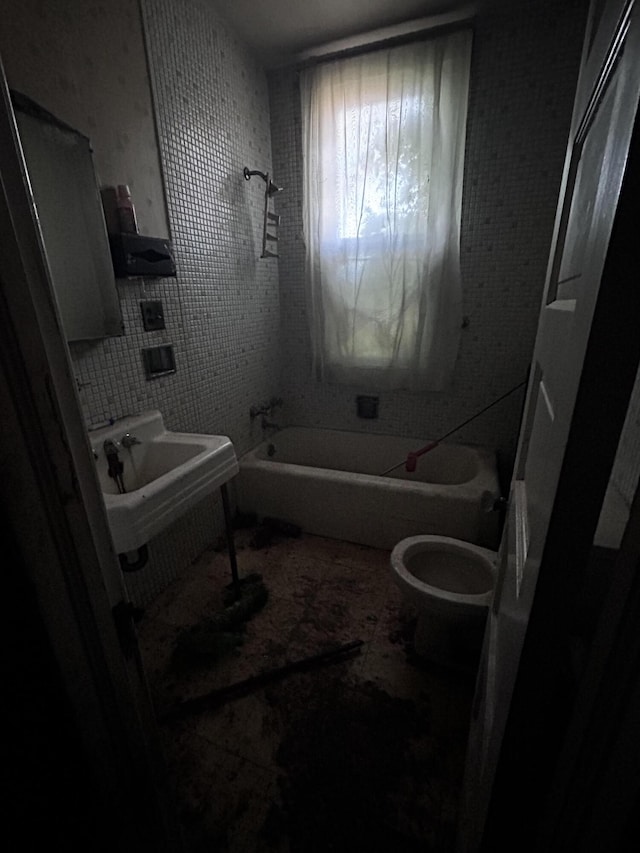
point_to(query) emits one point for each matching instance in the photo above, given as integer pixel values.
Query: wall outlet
(152, 314)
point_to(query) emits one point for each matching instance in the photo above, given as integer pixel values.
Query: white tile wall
(84, 61)
(213, 119)
(524, 70)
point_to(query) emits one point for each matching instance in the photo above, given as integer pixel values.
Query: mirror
(69, 207)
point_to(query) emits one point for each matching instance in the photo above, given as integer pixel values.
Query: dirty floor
(363, 754)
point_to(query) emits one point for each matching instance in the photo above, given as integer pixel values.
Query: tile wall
(524, 71)
(212, 110)
(84, 61)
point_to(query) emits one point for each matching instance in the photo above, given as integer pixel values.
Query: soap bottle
(126, 210)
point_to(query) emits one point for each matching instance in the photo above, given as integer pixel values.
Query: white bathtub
(328, 482)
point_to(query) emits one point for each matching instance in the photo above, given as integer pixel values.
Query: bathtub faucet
(266, 425)
(129, 440)
(265, 408)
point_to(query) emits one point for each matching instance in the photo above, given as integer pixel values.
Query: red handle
(412, 456)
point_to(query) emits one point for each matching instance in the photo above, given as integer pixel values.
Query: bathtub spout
(265, 408)
(267, 425)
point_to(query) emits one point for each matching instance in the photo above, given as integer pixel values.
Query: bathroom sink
(164, 475)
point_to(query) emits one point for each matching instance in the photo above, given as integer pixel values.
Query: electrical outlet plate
(152, 314)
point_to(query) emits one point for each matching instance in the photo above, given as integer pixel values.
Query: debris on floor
(272, 530)
(365, 754)
(219, 634)
(219, 695)
(352, 778)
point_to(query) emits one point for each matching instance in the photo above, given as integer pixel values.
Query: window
(383, 141)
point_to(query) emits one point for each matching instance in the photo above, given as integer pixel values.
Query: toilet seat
(450, 584)
(455, 575)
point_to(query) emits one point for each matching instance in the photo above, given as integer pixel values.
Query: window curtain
(383, 153)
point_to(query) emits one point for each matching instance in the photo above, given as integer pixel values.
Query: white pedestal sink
(164, 475)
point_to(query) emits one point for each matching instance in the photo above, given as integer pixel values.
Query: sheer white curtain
(383, 150)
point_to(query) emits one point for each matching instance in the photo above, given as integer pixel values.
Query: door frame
(50, 494)
(562, 771)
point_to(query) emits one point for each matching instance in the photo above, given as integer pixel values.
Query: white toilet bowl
(450, 584)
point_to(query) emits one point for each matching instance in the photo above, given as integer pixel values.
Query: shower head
(272, 188)
(248, 172)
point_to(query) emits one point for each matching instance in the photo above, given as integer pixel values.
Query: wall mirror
(69, 207)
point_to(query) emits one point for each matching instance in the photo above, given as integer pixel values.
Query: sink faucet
(265, 408)
(129, 440)
(114, 465)
(110, 448)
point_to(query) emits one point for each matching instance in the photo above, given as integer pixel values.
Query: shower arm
(268, 237)
(271, 189)
(248, 173)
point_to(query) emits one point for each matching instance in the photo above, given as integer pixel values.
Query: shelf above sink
(164, 475)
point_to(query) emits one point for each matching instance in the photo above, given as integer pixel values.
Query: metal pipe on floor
(220, 695)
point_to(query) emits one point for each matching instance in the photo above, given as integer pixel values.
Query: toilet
(450, 584)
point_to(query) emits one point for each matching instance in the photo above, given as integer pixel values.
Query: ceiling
(279, 30)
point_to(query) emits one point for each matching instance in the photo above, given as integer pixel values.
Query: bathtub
(328, 482)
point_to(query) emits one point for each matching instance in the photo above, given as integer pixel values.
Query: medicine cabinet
(69, 208)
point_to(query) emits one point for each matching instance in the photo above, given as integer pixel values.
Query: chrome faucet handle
(265, 408)
(111, 447)
(129, 440)
(255, 411)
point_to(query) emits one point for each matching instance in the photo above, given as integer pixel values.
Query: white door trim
(56, 512)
